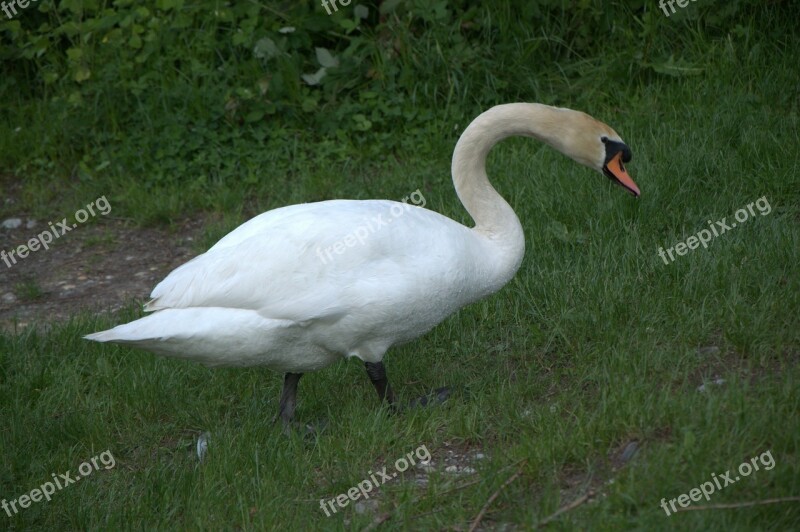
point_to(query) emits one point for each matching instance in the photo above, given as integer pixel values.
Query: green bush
(170, 89)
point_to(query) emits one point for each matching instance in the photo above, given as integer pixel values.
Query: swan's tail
(212, 336)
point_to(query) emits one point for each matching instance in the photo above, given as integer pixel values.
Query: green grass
(594, 344)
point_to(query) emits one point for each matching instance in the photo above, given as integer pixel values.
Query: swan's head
(594, 144)
(615, 154)
(583, 139)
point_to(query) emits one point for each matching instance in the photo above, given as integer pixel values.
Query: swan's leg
(288, 398)
(377, 374)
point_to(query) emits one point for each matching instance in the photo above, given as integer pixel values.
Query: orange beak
(616, 171)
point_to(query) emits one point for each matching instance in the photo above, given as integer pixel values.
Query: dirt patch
(99, 267)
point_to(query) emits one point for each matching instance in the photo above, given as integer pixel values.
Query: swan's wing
(316, 261)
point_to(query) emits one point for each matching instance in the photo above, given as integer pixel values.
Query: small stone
(9, 298)
(708, 350)
(31, 224)
(479, 456)
(427, 468)
(202, 445)
(12, 223)
(718, 382)
(466, 470)
(369, 505)
(629, 451)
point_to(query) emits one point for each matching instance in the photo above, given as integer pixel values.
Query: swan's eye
(603, 139)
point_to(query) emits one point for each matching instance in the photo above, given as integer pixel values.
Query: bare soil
(98, 267)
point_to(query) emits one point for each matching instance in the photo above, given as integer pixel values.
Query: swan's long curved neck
(494, 217)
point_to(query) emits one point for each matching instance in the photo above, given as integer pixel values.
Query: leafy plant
(166, 94)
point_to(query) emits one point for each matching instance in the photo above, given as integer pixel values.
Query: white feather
(299, 287)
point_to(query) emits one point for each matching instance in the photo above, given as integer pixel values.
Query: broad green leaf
(265, 47)
(361, 11)
(75, 54)
(326, 59)
(315, 78)
(82, 73)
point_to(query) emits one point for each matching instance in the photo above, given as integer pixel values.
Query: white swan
(263, 295)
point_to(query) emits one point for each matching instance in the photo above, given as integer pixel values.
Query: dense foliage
(145, 88)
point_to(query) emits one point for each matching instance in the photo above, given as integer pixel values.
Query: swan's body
(270, 294)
